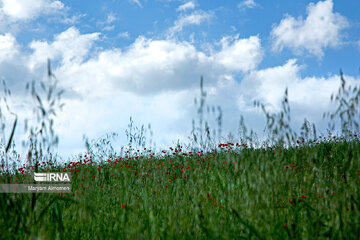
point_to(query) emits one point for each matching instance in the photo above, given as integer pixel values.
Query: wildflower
(285, 226)
(299, 200)
(169, 180)
(303, 196)
(320, 196)
(102, 186)
(123, 206)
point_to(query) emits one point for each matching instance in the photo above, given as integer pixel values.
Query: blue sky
(143, 58)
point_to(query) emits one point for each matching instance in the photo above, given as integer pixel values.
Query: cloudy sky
(144, 59)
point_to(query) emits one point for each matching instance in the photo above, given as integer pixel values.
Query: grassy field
(308, 190)
(307, 193)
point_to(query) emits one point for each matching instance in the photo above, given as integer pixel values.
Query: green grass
(309, 190)
(254, 194)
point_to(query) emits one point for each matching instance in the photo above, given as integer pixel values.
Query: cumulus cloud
(321, 29)
(186, 6)
(152, 66)
(155, 81)
(309, 95)
(146, 67)
(247, 4)
(8, 47)
(12, 61)
(70, 45)
(271, 83)
(242, 55)
(195, 18)
(24, 9)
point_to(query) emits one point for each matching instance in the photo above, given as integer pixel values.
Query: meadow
(289, 187)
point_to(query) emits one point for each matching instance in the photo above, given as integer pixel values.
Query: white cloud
(70, 45)
(8, 47)
(110, 18)
(124, 35)
(268, 86)
(195, 18)
(321, 29)
(243, 55)
(186, 6)
(137, 2)
(109, 28)
(247, 4)
(73, 19)
(146, 67)
(155, 81)
(153, 66)
(24, 9)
